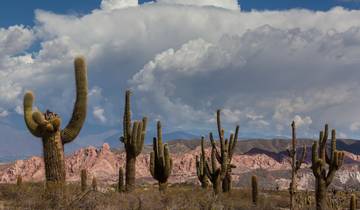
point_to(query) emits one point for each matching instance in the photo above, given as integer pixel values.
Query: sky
(264, 63)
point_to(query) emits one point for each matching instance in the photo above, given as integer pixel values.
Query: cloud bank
(184, 60)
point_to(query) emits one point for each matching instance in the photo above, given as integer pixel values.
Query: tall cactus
(325, 165)
(254, 190)
(160, 160)
(121, 180)
(201, 165)
(214, 173)
(19, 180)
(133, 139)
(295, 165)
(227, 147)
(83, 180)
(47, 126)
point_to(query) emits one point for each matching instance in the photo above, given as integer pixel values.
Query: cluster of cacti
(121, 187)
(47, 126)
(201, 167)
(325, 165)
(254, 190)
(224, 157)
(295, 165)
(83, 177)
(160, 160)
(217, 169)
(133, 139)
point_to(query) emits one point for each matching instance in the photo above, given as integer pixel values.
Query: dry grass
(33, 196)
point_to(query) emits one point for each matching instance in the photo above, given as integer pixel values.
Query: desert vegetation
(214, 169)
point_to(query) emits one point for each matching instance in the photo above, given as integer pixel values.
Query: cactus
(320, 159)
(295, 165)
(18, 181)
(94, 184)
(353, 202)
(47, 126)
(254, 190)
(214, 173)
(200, 166)
(121, 180)
(160, 160)
(226, 151)
(133, 139)
(83, 180)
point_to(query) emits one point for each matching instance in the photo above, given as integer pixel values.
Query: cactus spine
(254, 189)
(226, 151)
(133, 139)
(214, 173)
(295, 165)
(83, 180)
(160, 160)
(47, 126)
(121, 180)
(320, 159)
(353, 202)
(200, 166)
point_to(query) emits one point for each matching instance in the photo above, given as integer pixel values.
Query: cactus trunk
(130, 172)
(163, 186)
(353, 202)
(83, 180)
(254, 190)
(54, 159)
(226, 183)
(121, 180)
(320, 195)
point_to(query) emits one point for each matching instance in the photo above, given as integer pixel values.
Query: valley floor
(33, 196)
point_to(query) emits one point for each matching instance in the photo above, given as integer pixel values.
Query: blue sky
(22, 12)
(170, 54)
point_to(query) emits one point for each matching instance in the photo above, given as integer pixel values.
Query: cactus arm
(302, 158)
(217, 154)
(152, 164)
(140, 143)
(315, 160)
(168, 160)
(77, 120)
(132, 140)
(28, 115)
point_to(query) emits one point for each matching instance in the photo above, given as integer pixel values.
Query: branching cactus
(83, 180)
(133, 139)
(224, 157)
(295, 165)
(201, 166)
(254, 190)
(121, 187)
(324, 166)
(214, 173)
(47, 126)
(160, 160)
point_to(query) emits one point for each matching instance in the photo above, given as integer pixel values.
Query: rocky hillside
(265, 158)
